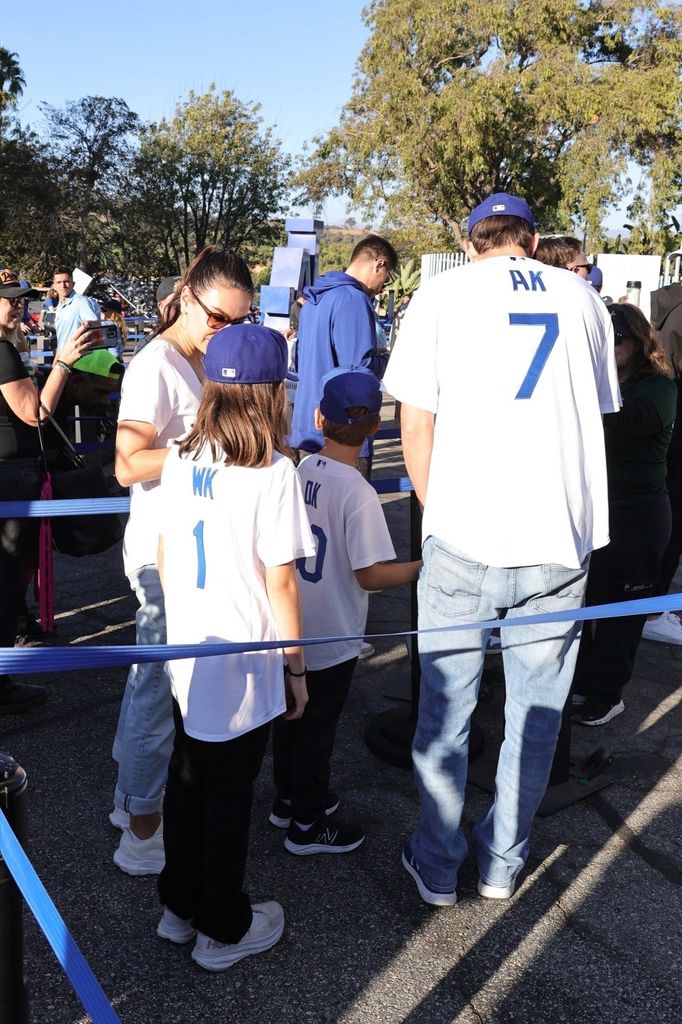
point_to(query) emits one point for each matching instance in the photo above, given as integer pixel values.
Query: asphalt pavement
(593, 933)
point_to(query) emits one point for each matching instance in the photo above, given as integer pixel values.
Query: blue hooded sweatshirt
(337, 327)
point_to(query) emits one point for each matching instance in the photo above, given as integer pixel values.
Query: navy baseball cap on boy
(501, 204)
(346, 387)
(246, 354)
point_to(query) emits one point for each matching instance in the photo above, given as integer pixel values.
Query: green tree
(455, 99)
(88, 144)
(12, 80)
(29, 204)
(210, 174)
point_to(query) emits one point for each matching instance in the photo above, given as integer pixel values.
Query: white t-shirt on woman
(159, 387)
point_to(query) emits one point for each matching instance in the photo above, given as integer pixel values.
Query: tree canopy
(455, 99)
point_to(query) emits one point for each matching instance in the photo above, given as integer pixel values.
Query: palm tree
(12, 80)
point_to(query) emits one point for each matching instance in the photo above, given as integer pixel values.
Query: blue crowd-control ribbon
(56, 659)
(73, 962)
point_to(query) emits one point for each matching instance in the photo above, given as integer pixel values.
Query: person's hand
(26, 328)
(81, 341)
(296, 695)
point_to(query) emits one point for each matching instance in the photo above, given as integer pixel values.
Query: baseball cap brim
(101, 363)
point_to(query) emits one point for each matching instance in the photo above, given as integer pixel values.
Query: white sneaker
(140, 856)
(174, 928)
(666, 629)
(496, 892)
(266, 929)
(366, 651)
(120, 819)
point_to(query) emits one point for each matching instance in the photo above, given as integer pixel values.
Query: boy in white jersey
(353, 545)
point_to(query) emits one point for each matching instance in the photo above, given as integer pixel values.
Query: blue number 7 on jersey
(550, 321)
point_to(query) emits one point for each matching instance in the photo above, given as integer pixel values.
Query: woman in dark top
(19, 452)
(637, 440)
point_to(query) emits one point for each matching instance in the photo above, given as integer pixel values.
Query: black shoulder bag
(80, 534)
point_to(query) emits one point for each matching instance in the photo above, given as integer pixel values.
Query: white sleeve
(283, 532)
(604, 358)
(367, 537)
(411, 375)
(148, 393)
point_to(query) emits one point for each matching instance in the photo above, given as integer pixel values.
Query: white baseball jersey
(516, 360)
(161, 388)
(222, 527)
(350, 533)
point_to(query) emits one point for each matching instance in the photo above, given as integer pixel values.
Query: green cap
(101, 363)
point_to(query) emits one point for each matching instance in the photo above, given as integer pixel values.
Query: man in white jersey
(511, 358)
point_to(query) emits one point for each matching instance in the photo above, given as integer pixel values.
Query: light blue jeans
(538, 666)
(144, 736)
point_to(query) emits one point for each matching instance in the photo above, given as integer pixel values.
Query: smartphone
(108, 333)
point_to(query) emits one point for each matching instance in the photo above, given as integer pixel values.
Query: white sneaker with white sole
(119, 819)
(141, 856)
(266, 929)
(174, 928)
(665, 629)
(496, 892)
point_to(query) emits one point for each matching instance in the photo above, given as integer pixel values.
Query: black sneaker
(280, 815)
(16, 698)
(597, 711)
(323, 837)
(30, 631)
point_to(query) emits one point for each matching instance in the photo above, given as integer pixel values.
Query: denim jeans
(144, 737)
(538, 665)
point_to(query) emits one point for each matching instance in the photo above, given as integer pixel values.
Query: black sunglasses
(217, 320)
(15, 301)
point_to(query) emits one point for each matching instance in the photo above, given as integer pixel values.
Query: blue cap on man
(501, 204)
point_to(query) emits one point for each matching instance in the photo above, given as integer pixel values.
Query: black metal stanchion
(13, 991)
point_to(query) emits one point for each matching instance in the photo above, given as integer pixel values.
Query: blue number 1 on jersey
(550, 321)
(198, 533)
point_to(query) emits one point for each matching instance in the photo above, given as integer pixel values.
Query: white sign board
(618, 269)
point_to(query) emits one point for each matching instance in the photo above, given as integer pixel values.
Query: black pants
(671, 555)
(626, 569)
(302, 748)
(18, 544)
(206, 819)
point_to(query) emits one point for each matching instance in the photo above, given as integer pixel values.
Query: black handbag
(80, 534)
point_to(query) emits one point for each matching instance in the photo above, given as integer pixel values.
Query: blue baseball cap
(345, 387)
(246, 354)
(595, 277)
(501, 204)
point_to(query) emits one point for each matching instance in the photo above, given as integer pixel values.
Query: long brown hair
(246, 423)
(213, 265)
(651, 357)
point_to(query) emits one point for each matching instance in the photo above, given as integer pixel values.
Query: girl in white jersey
(232, 524)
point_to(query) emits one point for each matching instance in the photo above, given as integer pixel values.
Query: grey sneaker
(266, 929)
(175, 929)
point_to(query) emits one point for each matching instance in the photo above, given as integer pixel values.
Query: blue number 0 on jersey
(550, 321)
(316, 575)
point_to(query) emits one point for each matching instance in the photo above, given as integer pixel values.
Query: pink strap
(45, 578)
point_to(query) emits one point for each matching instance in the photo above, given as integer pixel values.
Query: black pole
(13, 990)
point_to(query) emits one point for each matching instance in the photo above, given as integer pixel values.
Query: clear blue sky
(297, 60)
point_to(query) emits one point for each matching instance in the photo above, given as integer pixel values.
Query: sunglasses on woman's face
(14, 303)
(217, 320)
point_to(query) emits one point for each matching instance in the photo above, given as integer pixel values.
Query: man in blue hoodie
(337, 327)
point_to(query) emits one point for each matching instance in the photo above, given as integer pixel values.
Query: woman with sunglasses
(159, 401)
(637, 440)
(19, 470)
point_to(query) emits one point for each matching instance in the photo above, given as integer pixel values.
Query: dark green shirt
(637, 439)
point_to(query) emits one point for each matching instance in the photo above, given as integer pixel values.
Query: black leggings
(18, 544)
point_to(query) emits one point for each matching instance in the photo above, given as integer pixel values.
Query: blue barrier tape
(103, 506)
(62, 507)
(56, 659)
(57, 934)
(89, 447)
(387, 434)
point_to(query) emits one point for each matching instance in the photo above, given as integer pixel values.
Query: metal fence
(436, 262)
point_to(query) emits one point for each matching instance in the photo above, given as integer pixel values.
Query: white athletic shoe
(266, 929)
(366, 651)
(174, 928)
(120, 819)
(496, 892)
(666, 629)
(141, 856)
